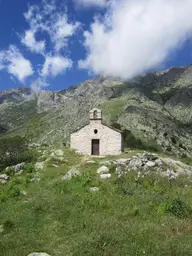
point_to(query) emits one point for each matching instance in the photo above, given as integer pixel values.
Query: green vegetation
(130, 141)
(131, 215)
(14, 150)
(17, 114)
(112, 108)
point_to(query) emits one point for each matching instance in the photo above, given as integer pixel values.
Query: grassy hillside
(130, 215)
(14, 115)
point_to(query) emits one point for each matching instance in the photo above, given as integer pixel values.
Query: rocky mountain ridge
(154, 107)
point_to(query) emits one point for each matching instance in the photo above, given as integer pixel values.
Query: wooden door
(95, 147)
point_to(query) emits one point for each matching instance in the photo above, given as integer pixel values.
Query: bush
(131, 142)
(8, 225)
(29, 168)
(14, 150)
(116, 126)
(178, 208)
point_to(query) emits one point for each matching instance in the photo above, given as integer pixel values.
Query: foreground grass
(128, 216)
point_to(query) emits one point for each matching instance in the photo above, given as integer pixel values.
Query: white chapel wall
(110, 140)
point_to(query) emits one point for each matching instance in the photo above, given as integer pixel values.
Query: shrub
(116, 126)
(130, 140)
(8, 225)
(178, 208)
(14, 150)
(151, 145)
(29, 168)
(112, 167)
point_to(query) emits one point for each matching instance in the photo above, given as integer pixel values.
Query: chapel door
(95, 147)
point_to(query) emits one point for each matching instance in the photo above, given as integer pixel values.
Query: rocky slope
(154, 107)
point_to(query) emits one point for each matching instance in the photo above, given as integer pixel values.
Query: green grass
(126, 217)
(112, 108)
(16, 115)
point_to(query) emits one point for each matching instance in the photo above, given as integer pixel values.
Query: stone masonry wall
(110, 140)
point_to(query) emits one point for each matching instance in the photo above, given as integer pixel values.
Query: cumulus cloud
(50, 19)
(14, 62)
(90, 3)
(135, 36)
(61, 30)
(37, 85)
(29, 41)
(55, 65)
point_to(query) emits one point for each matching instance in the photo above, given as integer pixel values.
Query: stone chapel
(97, 138)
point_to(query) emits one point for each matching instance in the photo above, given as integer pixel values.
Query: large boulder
(16, 168)
(150, 164)
(103, 170)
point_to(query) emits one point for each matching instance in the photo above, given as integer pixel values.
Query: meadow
(132, 215)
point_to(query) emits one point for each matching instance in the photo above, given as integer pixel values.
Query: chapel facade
(97, 138)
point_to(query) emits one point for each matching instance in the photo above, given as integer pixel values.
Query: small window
(95, 131)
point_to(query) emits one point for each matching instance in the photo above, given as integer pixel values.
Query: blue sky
(53, 44)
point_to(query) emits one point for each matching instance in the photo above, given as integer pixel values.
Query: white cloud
(15, 64)
(29, 41)
(37, 85)
(55, 65)
(48, 17)
(89, 3)
(61, 30)
(135, 36)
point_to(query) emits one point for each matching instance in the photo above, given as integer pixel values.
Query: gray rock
(39, 165)
(3, 181)
(93, 189)
(148, 156)
(103, 170)
(4, 176)
(71, 173)
(123, 161)
(136, 163)
(35, 179)
(118, 170)
(105, 176)
(38, 254)
(159, 162)
(150, 164)
(91, 162)
(58, 152)
(55, 165)
(16, 168)
(107, 163)
(23, 193)
(188, 172)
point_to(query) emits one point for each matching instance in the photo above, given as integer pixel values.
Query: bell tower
(95, 114)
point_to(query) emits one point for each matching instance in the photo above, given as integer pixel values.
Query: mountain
(155, 107)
